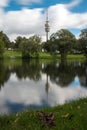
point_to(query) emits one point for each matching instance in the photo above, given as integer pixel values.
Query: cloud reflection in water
(18, 95)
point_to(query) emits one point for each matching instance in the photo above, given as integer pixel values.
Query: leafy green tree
(30, 47)
(25, 48)
(1, 48)
(18, 42)
(64, 40)
(50, 46)
(36, 47)
(5, 39)
(12, 45)
(46, 47)
(76, 48)
(83, 41)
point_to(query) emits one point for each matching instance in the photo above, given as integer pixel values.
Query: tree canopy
(83, 41)
(63, 40)
(5, 39)
(1, 48)
(30, 47)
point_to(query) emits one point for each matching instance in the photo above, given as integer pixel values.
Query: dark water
(37, 83)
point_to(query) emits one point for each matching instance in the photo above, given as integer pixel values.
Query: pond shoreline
(69, 116)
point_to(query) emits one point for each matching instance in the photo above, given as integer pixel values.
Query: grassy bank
(71, 116)
(18, 54)
(12, 54)
(77, 56)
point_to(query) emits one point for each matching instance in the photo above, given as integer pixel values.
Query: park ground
(70, 116)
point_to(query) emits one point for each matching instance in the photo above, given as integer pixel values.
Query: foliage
(36, 41)
(50, 46)
(30, 47)
(76, 48)
(83, 41)
(5, 39)
(25, 48)
(18, 42)
(1, 48)
(64, 40)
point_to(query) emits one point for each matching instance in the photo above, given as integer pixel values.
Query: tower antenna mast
(47, 28)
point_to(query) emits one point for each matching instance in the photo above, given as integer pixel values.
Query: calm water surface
(37, 83)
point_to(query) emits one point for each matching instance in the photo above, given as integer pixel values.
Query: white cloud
(61, 17)
(73, 3)
(26, 22)
(3, 3)
(23, 22)
(28, 1)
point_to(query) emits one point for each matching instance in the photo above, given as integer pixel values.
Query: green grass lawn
(73, 56)
(12, 54)
(42, 55)
(71, 116)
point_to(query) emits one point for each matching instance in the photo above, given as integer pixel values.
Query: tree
(5, 39)
(64, 40)
(50, 46)
(30, 47)
(25, 48)
(1, 48)
(76, 48)
(18, 42)
(35, 43)
(83, 41)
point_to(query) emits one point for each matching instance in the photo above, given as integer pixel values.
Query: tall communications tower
(47, 28)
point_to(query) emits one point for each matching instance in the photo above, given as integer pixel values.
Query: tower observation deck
(47, 27)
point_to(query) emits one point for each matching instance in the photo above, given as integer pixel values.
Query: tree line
(62, 41)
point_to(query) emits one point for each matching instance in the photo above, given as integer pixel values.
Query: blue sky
(14, 5)
(27, 17)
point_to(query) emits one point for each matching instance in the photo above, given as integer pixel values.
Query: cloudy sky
(27, 17)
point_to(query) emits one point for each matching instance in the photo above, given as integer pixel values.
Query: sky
(27, 17)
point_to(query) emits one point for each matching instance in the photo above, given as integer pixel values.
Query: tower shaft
(47, 28)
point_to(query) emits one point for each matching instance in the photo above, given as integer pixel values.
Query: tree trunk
(63, 58)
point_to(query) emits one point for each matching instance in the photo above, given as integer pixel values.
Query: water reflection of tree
(4, 73)
(66, 74)
(61, 74)
(81, 70)
(29, 69)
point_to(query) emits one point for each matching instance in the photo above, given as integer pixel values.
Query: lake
(34, 84)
